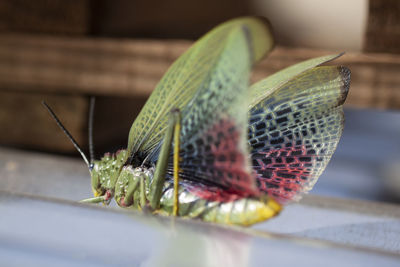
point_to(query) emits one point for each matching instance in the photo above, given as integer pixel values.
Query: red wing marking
(215, 194)
(283, 172)
(216, 165)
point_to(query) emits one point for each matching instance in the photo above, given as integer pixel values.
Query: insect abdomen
(244, 211)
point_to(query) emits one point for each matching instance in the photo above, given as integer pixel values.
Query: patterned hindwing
(217, 161)
(294, 131)
(265, 87)
(194, 72)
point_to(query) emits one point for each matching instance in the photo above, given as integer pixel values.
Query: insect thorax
(130, 184)
(105, 171)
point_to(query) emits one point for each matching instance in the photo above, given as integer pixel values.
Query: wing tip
(345, 75)
(264, 36)
(269, 32)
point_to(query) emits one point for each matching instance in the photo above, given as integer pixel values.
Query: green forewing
(214, 124)
(192, 72)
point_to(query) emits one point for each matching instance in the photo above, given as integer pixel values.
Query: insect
(208, 146)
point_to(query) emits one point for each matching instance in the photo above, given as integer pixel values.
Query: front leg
(142, 198)
(177, 142)
(157, 184)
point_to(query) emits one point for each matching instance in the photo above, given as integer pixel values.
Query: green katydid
(238, 152)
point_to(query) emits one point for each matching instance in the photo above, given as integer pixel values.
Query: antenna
(66, 133)
(90, 129)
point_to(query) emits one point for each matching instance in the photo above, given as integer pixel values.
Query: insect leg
(93, 200)
(132, 186)
(161, 167)
(142, 199)
(177, 133)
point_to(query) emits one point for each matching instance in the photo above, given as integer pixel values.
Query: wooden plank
(43, 16)
(383, 29)
(25, 123)
(90, 66)
(162, 19)
(133, 67)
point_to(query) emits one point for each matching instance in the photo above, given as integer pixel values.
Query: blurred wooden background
(65, 51)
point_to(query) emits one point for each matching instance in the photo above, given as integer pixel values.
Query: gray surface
(44, 175)
(370, 145)
(358, 223)
(36, 232)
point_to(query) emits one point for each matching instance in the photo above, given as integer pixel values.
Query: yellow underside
(264, 212)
